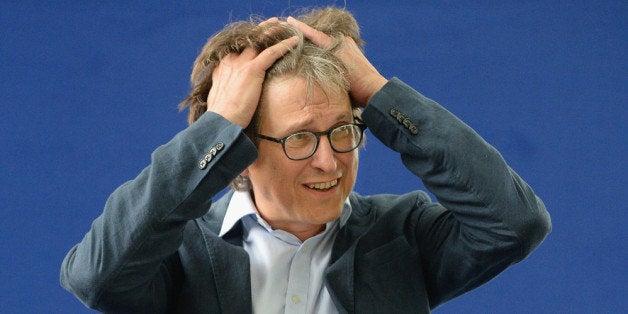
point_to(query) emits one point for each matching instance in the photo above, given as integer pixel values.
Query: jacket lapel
(340, 273)
(235, 297)
(339, 280)
(229, 262)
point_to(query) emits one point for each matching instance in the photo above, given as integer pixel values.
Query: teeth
(323, 186)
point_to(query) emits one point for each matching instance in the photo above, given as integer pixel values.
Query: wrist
(375, 86)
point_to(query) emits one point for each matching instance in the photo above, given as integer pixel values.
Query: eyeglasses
(303, 145)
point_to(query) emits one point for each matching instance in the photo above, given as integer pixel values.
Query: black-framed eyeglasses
(302, 145)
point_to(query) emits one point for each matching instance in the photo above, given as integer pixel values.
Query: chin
(330, 213)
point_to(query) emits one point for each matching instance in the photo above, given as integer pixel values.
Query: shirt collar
(241, 205)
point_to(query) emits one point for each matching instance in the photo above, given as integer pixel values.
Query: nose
(324, 158)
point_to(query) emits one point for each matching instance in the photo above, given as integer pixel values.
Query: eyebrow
(341, 118)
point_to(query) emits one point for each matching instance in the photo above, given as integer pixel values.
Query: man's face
(285, 191)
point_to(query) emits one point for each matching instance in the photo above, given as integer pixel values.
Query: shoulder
(391, 215)
(381, 204)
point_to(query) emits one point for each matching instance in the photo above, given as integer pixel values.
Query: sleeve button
(202, 164)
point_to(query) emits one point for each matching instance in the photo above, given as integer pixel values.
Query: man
(278, 110)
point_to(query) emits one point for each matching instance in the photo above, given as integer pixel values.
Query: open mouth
(324, 186)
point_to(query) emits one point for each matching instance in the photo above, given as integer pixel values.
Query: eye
(343, 131)
(301, 139)
(343, 128)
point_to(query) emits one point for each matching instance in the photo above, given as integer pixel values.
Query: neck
(301, 231)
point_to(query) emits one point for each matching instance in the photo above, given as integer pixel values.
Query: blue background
(89, 90)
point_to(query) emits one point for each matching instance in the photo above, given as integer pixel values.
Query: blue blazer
(155, 247)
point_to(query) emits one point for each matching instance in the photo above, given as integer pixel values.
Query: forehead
(289, 104)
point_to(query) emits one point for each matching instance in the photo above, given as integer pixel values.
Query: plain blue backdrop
(89, 89)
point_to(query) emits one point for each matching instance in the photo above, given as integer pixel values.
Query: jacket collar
(241, 204)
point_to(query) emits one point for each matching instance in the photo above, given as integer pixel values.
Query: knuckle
(273, 51)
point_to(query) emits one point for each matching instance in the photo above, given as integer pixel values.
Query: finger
(248, 53)
(271, 54)
(270, 20)
(317, 37)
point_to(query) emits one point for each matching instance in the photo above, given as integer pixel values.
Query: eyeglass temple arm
(268, 138)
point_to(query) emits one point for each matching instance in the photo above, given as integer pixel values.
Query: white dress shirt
(286, 274)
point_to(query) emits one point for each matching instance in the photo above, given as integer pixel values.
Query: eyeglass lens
(302, 145)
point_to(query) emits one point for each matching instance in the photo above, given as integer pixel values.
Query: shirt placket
(298, 281)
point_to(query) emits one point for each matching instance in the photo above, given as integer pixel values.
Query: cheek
(274, 168)
(269, 156)
(351, 164)
(352, 160)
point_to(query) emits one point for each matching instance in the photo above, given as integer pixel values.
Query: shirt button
(296, 299)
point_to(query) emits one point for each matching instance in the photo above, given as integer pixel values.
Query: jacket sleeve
(124, 263)
(486, 218)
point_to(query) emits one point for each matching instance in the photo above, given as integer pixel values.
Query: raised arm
(118, 264)
(128, 260)
(487, 217)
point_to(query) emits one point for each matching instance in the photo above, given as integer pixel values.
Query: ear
(242, 183)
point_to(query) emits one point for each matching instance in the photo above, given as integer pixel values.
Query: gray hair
(316, 65)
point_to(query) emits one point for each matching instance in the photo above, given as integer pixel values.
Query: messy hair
(318, 66)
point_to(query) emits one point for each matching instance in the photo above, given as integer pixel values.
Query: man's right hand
(238, 78)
